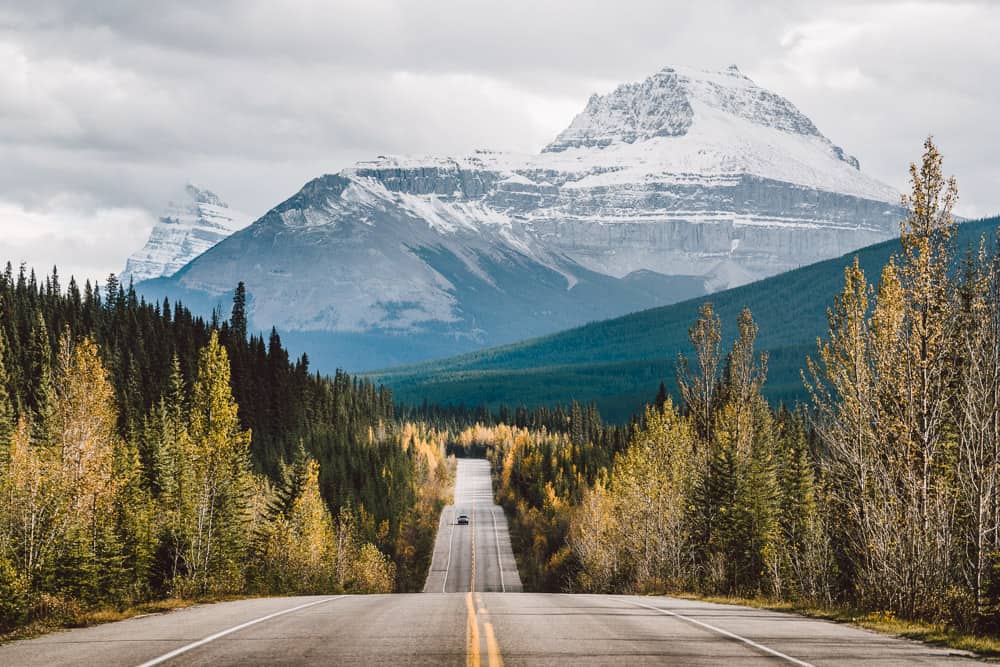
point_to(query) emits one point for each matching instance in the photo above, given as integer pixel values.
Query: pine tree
(735, 508)
(112, 288)
(40, 390)
(222, 478)
(576, 429)
(296, 543)
(172, 479)
(797, 505)
(6, 405)
(128, 553)
(238, 323)
(169, 437)
(292, 481)
(661, 396)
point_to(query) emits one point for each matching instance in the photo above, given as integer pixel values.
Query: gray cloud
(105, 107)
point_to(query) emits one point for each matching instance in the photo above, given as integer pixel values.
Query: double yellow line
(474, 656)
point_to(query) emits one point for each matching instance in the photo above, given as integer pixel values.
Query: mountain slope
(619, 363)
(683, 184)
(189, 227)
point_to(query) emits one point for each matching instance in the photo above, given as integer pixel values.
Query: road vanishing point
(472, 612)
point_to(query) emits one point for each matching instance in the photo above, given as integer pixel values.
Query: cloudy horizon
(109, 109)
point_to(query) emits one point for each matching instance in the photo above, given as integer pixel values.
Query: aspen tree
(927, 372)
(594, 538)
(699, 385)
(977, 404)
(84, 442)
(651, 483)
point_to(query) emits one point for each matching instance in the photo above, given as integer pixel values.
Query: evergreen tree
(292, 481)
(6, 405)
(238, 323)
(661, 396)
(222, 477)
(40, 390)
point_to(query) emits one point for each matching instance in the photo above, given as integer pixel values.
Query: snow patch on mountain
(191, 225)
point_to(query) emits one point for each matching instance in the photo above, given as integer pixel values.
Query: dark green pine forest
(279, 400)
(128, 427)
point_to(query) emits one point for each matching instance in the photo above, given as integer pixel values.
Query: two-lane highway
(477, 624)
(477, 556)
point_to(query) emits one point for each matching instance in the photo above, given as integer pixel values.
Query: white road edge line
(725, 633)
(496, 535)
(451, 541)
(211, 638)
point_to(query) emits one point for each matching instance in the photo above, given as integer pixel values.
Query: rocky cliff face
(680, 185)
(190, 226)
(665, 104)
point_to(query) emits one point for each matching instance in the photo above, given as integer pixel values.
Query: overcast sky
(107, 107)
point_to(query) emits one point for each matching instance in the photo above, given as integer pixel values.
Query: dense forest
(146, 453)
(618, 363)
(882, 493)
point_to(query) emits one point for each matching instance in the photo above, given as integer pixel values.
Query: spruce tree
(40, 389)
(661, 396)
(222, 474)
(6, 405)
(238, 323)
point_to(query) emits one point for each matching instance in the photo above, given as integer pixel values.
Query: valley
(618, 364)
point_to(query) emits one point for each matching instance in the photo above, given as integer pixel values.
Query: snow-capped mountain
(187, 228)
(685, 183)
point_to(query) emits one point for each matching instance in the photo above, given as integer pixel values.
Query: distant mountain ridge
(683, 184)
(190, 226)
(619, 363)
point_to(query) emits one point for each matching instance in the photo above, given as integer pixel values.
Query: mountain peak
(670, 102)
(194, 221)
(202, 196)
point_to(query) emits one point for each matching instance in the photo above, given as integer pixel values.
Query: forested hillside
(619, 363)
(146, 453)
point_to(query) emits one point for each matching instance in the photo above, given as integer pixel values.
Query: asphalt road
(477, 556)
(477, 627)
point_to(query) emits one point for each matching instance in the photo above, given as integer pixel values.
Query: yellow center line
(474, 643)
(473, 658)
(492, 648)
